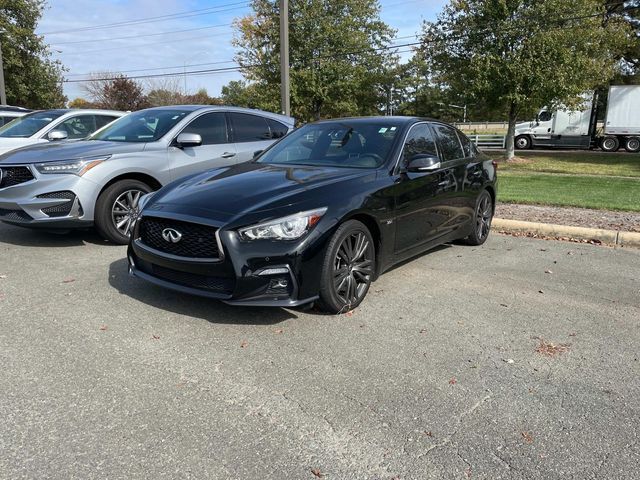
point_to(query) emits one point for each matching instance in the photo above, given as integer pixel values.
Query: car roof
(65, 111)
(10, 108)
(226, 108)
(390, 120)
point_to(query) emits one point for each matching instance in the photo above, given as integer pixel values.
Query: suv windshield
(143, 126)
(336, 144)
(27, 125)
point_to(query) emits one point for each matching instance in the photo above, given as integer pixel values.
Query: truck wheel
(610, 144)
(523, 142)
(632, 144)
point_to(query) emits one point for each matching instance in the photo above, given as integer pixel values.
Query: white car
(8, 113)
(51, 125)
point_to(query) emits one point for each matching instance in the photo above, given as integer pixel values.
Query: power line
(158, 68)
(159, 18)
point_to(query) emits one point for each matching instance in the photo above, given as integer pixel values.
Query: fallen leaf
(349, 313)
(103, 327)
(527, 437)
(428, 434)
(2, 277)
(244, 344)
(279, 331)
(317, 473)
(573, 334)
(540, 291)
(504, 305)
(549, 349)
(68, 280)
(548, 271)
(156, 337)
(453, 381)
(424, 330)
(508, 360)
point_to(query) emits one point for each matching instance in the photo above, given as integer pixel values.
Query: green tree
(520, 55)
(239, 93)
(337, 57)
(32, 78)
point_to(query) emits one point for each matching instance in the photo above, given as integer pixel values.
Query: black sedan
(318, 216)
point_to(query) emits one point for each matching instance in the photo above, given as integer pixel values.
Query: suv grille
(14, 176)
(198, 241)
(6, 214)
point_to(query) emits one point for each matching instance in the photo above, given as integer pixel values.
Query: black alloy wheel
(482, 220)
(348, 268)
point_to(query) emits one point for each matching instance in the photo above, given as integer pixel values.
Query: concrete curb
(612, 237)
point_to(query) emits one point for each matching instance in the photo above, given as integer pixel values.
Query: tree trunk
(511, 130)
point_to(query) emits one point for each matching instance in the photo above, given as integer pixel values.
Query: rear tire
(482, 219)
(117, 207)
(610, 144)
(523, 142)
(632, 144)
(348, 268)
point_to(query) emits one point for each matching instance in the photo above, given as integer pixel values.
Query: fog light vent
(278, 285)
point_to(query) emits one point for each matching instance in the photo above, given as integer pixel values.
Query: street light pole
(285, 88)
(3, 93)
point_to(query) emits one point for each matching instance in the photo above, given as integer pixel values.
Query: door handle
(228, 155)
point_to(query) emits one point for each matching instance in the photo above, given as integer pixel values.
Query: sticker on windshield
(383, 130)
(392, 129)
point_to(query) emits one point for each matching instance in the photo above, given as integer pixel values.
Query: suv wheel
(348, 268)
(117, 208)
(481, 220)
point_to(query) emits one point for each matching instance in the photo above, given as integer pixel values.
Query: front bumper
(49, 201)
(263, 273)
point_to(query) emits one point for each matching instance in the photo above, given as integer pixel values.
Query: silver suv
(98, 181)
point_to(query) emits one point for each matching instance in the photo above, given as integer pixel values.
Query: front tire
(482, 219)
(523, 142)
(117, 208)
(632, 144)
(610, 144)
(348, 268)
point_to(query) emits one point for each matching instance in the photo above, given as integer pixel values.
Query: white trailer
(577, 128)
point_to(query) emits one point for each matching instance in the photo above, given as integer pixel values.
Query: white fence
(488, 141)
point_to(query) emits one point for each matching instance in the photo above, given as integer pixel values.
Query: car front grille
(14, 176)
(197, 241)
(14, 214)
(61, 210)
(219, 285)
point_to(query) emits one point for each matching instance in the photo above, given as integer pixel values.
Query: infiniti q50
(318, 216)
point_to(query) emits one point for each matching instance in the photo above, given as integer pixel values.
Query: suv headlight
(77, 167)
(286, 228)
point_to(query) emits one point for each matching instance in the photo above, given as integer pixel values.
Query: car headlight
(77, 167)
(286, 228)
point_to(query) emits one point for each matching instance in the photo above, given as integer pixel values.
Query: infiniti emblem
(171, 235)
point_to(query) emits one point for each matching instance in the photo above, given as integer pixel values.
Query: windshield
(26, 126)
(143, 126)
(336, 144)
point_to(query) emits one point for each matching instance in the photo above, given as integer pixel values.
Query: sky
(198, 39)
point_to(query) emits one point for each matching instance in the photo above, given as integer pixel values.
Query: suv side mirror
(423, 163)
(57, 135)
(189, 140)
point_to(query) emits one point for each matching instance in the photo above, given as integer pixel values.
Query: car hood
(56, 151)
(225, 194)
(8, 144)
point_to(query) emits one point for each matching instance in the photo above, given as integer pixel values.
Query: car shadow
(208, 309)
(25, 237)
(444, 246)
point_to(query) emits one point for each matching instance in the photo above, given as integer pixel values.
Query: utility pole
(285, 89)
(3, 94)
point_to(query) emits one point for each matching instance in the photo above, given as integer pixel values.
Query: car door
(251, 134)
(216, 149)
(543, 126)
(419, 207)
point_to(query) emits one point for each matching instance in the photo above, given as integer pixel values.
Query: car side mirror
(189, 140)
(257, 153)
(57, 135)
(423, 163)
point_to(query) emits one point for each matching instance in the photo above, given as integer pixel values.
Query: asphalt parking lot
(519, 359)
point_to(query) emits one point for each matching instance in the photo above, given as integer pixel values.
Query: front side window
(249, 128)
(449, 142)
(335, 144)
(143, 126)
(545, 116)
(78, 127)
(420, 141)
(212, 127)
(30, 124)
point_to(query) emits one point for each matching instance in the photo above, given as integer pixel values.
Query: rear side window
(78, 127)
(278, 130)
(212, 127)
(102, 120)
(467, 145)
(449, 142)
(420, 141)
(249, 128)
